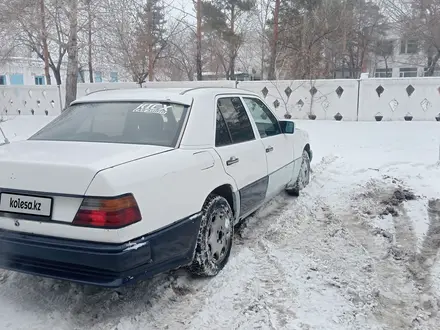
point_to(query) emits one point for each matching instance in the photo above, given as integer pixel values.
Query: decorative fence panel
(344, 99)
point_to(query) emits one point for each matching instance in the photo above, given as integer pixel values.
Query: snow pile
(357, 250)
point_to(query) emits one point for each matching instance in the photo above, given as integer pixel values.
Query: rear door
(278, 146)
(242, 152)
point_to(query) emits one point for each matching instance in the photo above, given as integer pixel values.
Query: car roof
(158, 94)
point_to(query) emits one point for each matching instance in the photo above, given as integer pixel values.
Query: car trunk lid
(63, 167)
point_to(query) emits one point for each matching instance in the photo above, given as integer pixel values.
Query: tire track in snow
(402, 304)
(395, 291)
(248, 264)
(164, 299)
(289, 243)
(422, 264)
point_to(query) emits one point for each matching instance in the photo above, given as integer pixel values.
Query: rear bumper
(108, 265)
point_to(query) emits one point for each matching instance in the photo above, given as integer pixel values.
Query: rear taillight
(108, 212)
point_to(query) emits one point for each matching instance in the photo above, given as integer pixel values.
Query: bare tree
(366, 26)
(199, 65)
(8, 32)
(384, 50)
(274, 43)
(90, 17)
(31, 33)
(262, 11)
(305, 29)
(72, 50)
(129, 41)
(179, 56)
(44, 42)
(419, 20)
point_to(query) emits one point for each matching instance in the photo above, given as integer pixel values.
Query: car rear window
(149, 123)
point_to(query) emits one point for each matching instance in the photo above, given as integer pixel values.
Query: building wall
(363, 100)
(23, 71)
(397, 59)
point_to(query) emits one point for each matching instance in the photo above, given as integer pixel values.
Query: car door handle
(269, 149)
(232, 160)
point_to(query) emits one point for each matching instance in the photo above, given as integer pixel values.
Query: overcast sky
(178, 8)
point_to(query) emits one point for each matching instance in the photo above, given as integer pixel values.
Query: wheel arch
(309, 150)
(232, 195)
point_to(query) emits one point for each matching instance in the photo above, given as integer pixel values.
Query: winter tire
(215, 237)
(303, 176)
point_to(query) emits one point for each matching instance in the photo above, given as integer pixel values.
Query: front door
(242, 154)
(278, 147)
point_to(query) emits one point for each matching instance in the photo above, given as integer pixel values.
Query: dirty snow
(357, 250)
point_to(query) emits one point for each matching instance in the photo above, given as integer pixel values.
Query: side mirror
(287, 126)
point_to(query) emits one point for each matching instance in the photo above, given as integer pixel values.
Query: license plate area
(26, 204)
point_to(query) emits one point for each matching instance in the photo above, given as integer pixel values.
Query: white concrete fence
(345, 99)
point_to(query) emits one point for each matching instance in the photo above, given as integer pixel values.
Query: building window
(40, 80)
(408, 46)
(436, 72)
(16, 79)
(384, 48)
(2, 80)
(98, 76)
(113, 77)
(383, 73)
(407, 72)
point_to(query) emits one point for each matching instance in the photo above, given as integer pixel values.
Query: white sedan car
(131, 183)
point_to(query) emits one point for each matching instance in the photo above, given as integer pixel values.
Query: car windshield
(151, 123)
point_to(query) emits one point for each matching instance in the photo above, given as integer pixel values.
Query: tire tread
(201, 266)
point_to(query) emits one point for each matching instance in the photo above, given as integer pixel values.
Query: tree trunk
(44, 42)
(57, 74)
(431, 68)
(89, 32)
(233, 46)
(190, 76)
(72, 52)
(262, 61)
(273, 53)
(150, 42)
(386, 67)
(199, 41)
(304, 31)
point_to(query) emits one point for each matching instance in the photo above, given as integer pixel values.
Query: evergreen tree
(150, 42)
(220, 17)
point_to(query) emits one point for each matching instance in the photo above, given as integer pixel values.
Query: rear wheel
(215, 237)
(303, 176)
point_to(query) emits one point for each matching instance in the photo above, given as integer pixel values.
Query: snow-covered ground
(357, 250)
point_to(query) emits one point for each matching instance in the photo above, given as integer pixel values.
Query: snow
(331, 259)
(135, 246)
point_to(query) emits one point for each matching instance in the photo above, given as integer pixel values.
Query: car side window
(222, 136)
(266, 122)
(236, 119)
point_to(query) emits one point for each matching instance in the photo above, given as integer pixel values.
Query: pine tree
(220, 16)
(150, 32)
